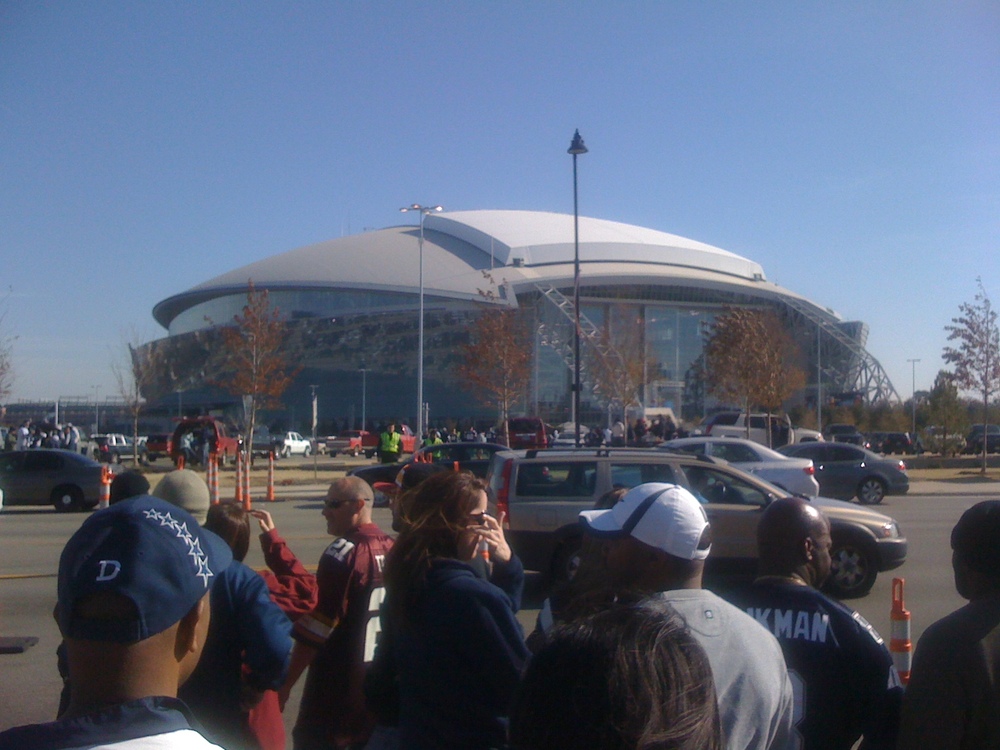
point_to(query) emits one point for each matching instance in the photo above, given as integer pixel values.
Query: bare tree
(496, 363)
(253, 360)
(976, 356)
(7, 340)
(134, 378)
(752, 360)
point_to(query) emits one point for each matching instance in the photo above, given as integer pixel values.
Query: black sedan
(474, 457)
(40, 476)
(845, 471)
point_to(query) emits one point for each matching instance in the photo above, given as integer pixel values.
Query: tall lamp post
(913, 390)
(424, 210)
(576, 147)
(364, 394)
(97, 408)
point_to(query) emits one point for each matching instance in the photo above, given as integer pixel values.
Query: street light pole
(424, 210)
(913, 390)
(364, 394)
(97, 408)
(576, 147)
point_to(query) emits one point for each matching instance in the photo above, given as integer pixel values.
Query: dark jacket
(459, 657)
(246, 628)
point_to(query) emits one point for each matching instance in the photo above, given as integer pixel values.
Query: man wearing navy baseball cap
(133, 609)
(658, 538)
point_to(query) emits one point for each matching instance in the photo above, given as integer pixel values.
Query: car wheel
(286, 452)
(306, 452)
(566, 560)
(67, 498)
(369, 454)
(854, 566)
(871, 491)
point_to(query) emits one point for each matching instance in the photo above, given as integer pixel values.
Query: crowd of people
(413, 642)
(43, 435)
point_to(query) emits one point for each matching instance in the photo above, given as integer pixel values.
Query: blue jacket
(460, 657)
(246, 628)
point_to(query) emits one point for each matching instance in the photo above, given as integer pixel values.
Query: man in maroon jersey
(337, 639)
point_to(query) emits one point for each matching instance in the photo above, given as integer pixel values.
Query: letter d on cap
(109, 570)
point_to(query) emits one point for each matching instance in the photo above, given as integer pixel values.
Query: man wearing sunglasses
(337, 639)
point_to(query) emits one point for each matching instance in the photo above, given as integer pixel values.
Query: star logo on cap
(180, 529)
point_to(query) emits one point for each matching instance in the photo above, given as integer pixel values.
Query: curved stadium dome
(352, 302)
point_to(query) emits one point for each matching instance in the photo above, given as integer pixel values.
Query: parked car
(157, 445)
(543, 492)
(974, 440)
(293, 444)
(773, 430)
(41, 476)
(793, 474)
(891, 442)
(474, 457)
(844, 433)
(265, 442)
(526, 432)
(352, 442)
(845, 471)
(112, 447)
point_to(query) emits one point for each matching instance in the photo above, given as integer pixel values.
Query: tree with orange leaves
(254, 364)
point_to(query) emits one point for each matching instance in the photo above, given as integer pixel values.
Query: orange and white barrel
(238, 497)
(213, 477)
(104, 492)
(900, 645)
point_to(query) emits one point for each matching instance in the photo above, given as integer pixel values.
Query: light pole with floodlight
(576, 147)
(424, 210)
(913, 390)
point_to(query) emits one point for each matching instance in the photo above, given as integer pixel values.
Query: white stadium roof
(526, 248)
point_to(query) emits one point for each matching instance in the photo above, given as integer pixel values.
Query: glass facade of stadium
(359, 349)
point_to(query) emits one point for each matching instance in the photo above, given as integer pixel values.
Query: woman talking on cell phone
(452, 640)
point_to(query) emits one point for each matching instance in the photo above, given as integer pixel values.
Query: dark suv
(844, 433)
(542, 493)
(974, 440)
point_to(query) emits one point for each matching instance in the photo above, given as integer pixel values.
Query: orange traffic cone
(900, 645)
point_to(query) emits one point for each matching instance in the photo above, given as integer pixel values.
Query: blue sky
(851, 148)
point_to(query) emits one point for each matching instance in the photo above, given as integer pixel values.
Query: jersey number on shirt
(374, 626)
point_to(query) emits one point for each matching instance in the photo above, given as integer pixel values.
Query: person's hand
(264, 519)
(492, 532)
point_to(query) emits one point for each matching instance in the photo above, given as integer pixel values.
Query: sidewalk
(954, 487)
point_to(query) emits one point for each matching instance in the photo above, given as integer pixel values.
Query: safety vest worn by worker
(389, 442)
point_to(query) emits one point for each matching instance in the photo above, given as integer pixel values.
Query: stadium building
(351, 310)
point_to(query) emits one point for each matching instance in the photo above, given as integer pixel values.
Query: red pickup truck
(356, 442)
(190, 434)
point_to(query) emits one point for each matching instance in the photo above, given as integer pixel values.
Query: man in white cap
(658, 540)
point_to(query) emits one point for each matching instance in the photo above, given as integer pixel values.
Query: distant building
(352, 303)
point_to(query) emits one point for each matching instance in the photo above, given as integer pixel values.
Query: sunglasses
(334, 504)
(479, 518)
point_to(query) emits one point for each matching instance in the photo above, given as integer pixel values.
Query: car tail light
(902, 466)
(810, 469)
(708, 429)
(503, 493)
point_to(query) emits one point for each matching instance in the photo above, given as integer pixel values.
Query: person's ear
(189, 634)
(808, 549)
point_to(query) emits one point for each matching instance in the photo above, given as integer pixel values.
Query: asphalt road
(31, 540)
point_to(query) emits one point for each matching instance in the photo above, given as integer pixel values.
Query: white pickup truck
(734, 424)
(294, 444)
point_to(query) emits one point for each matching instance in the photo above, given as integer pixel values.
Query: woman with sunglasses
(452, 638)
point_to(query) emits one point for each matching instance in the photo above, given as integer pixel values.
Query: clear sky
(850, 148)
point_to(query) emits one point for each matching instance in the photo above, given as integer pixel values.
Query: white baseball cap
(664, 516)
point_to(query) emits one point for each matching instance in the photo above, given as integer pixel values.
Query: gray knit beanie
(185, 489)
